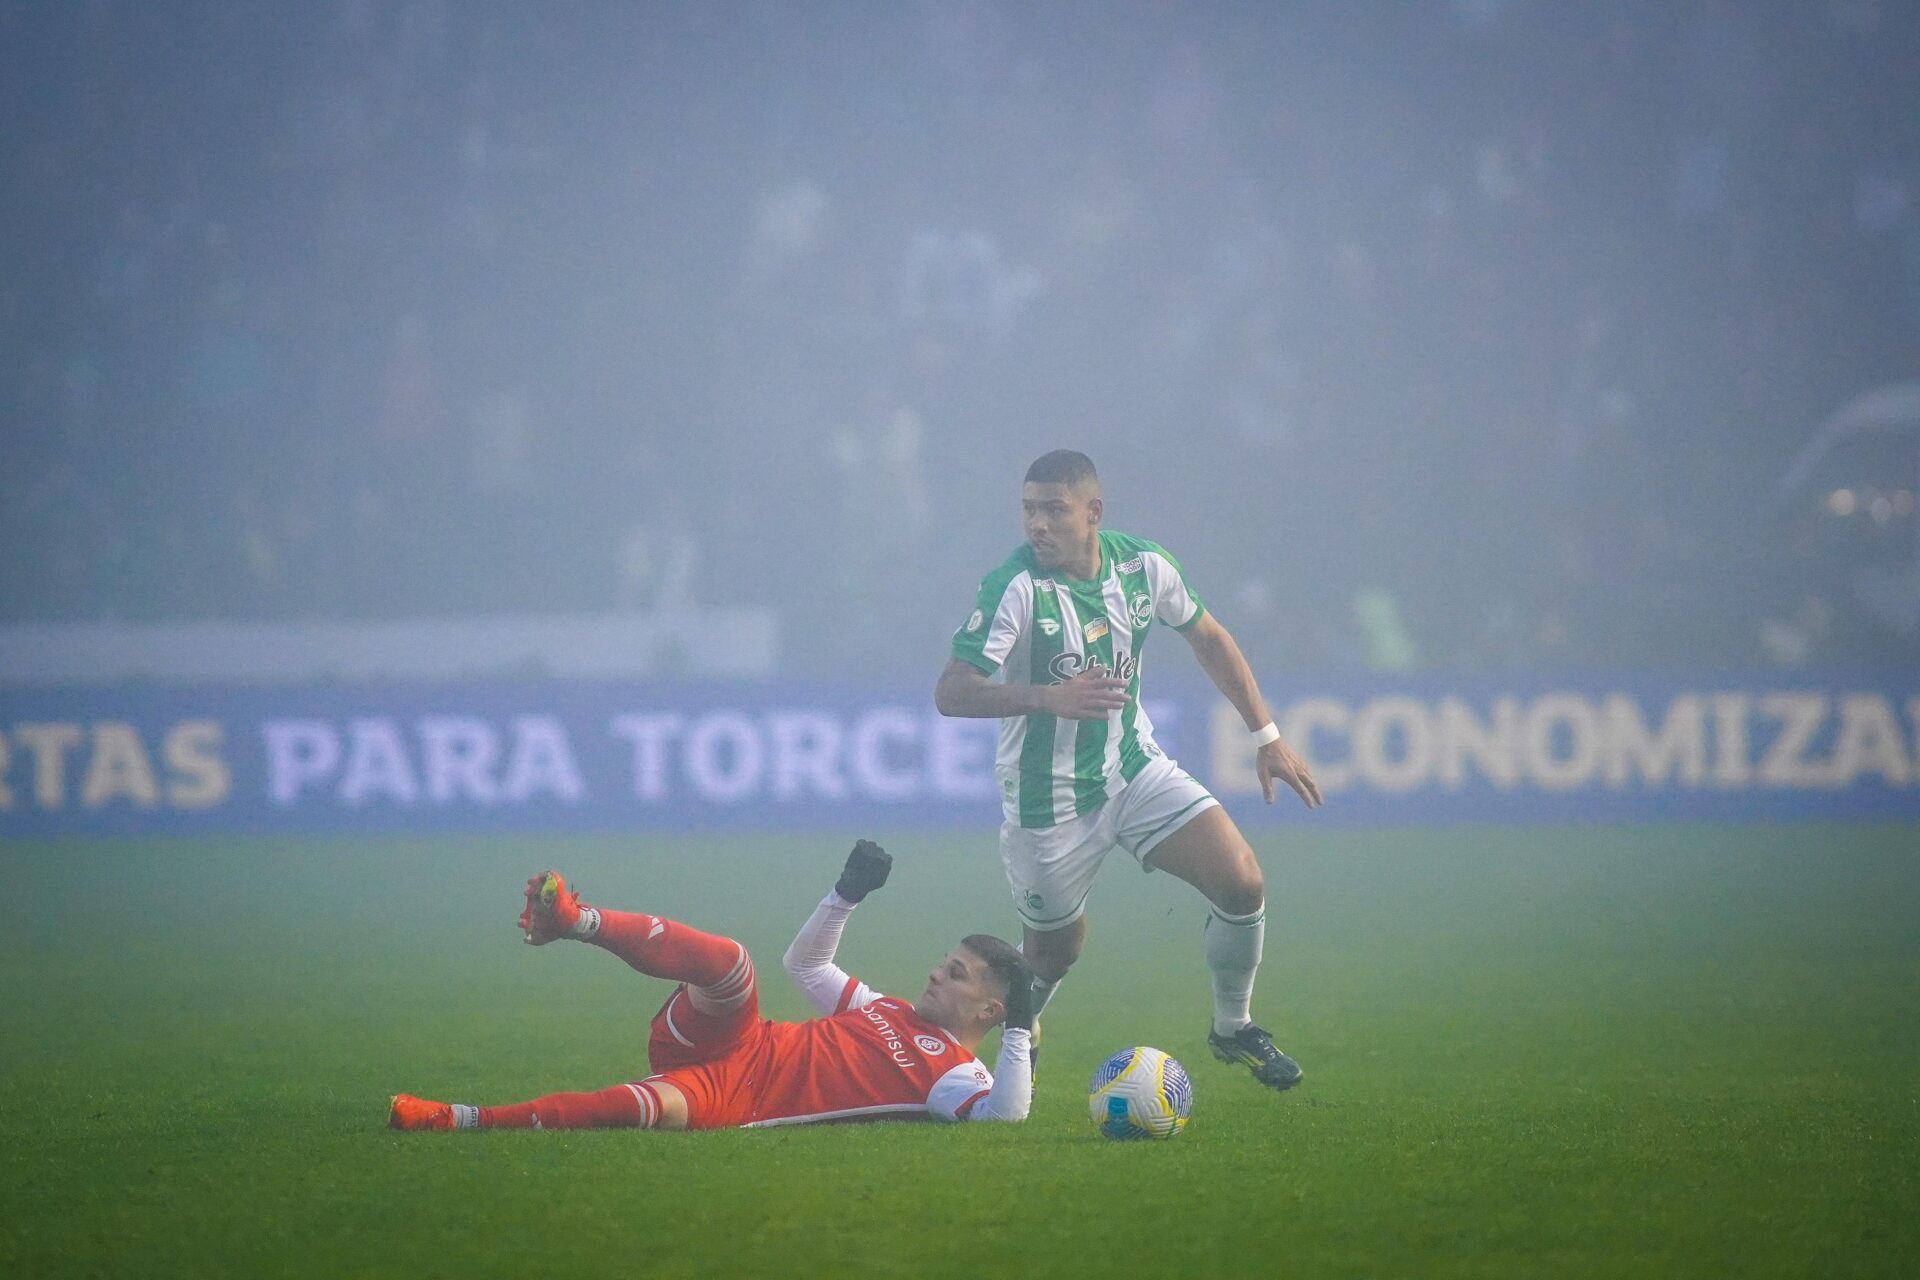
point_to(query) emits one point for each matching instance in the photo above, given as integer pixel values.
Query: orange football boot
(552, 909)
(410, 1114)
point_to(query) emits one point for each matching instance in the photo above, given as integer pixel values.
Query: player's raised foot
(1253, 1048)
(410, 1114)
(552, 909)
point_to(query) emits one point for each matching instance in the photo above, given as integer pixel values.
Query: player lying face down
(717, 1064)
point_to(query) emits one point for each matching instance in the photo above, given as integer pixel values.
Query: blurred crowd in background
(1470, 335)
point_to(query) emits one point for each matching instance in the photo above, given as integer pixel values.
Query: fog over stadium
(446, 439)
(1457, 336)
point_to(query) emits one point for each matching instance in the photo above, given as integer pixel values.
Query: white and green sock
(1233, 957)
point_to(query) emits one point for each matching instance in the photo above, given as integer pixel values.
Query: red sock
(624, 1106)
(662, 948)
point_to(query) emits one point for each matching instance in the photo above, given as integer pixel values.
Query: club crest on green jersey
(975, 619)
(1140, 608)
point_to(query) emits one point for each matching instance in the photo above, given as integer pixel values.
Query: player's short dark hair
(1062, 466)
(1003, 958)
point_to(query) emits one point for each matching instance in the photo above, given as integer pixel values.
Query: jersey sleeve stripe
(965, 1109)
(1173, 601)
(1009, 620)
(984, 640)
(846, 994)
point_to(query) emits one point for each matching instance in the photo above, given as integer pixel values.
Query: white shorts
(1051, 869)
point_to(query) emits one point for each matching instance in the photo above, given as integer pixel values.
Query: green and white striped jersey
(1037, 627)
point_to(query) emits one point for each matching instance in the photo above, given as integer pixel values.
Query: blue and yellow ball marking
(1158, 1095)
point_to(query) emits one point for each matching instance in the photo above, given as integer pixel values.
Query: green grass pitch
(1652, 1051)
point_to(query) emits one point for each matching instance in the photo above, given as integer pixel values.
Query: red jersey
(877, 1060)
(869, 1055)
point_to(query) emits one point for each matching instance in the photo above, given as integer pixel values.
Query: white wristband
(1269, 733)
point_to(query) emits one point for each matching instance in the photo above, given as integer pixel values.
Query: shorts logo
(1129, 566)
(1035, 902)
(930, 1044)
(975, 619)
(1050, 626)
(1095, 628)
(1140, 609)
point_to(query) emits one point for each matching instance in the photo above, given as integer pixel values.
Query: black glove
(1020, 1000)
(866, 870)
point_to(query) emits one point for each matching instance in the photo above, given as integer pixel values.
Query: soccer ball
(1155, 1091)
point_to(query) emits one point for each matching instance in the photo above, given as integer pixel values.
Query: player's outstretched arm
(966, 691)
(1220, 657)
(809, 960)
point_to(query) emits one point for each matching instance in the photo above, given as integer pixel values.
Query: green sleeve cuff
(1199, 612)
(979, 662)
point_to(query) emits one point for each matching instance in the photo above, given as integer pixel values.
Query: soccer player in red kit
(718, 1064)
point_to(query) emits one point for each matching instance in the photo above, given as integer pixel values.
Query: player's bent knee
(730, 990)
(1242, 891)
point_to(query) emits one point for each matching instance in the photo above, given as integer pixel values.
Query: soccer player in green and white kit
(1062, 623)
